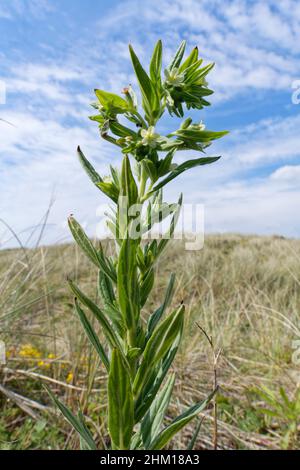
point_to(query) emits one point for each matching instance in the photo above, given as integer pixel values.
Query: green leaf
(109, 189)
(92, 335)
(121, 131)
(150, 389)
(178, 56)
(95, 310)
(127, 285)
(155, 64)
(183, 167)
(156, 316)
(177, 424)
(97, 257)
(168, 236)
(88, 168)
(198, 135)
(112, 102)
(128, 184)
(120, 403)
(75, 422)
(83, 241)
(157, 346)
(153, 419)
(146, 286)
(150, 169)
(150, 99)
(190, 60)
(164, 164)
(195, 436)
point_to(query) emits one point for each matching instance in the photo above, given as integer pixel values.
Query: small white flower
(174, 78)
(201, 126)
(150, 138)
(197, 127)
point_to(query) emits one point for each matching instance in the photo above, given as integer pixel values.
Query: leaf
(150, 99)
(88, 168)
(83, 241)
(195, 436)
(103, 321)
(168, 236)
(127, 285)
(198, 135)
(146, 286)
(177, 424)
(153, 419)
(150, 389)
(75, 422)
(155, 64)
(190, 60)
(109, 189)
(128, 184)
(178, 56)
(92, 335)
(97, 257)
(112, 102)
(183, 167)
(156, 316)
(150, 169)
(157, 346)
(120, 403)
(120, 130)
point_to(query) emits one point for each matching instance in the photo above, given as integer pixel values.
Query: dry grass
(243, 291)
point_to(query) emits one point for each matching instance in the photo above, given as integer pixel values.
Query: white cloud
(50, 113)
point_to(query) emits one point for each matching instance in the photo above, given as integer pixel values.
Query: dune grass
(242, 291)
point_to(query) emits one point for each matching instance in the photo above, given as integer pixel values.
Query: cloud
(18, 8)
(253, 188)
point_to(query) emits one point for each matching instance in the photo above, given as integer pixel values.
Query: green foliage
(283, 408)
(137, 354)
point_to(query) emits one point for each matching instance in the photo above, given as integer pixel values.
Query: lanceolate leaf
(177, 424)
(183, 167)
(120, 403)
(97, 257)
(193, 57)
(127, 282)
(150, 99)
(155, 64)
(107, 328)
(156, 316)
(153, 419)
(83, 241)
(75, 422)
(128, 184)
(178, 56)
(159, 343)
(92, 335)
(112, 102)
(89, 169)
(150, 389)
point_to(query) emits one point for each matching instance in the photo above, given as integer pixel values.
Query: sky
(55, 53)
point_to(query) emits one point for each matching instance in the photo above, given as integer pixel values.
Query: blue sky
(54, 53)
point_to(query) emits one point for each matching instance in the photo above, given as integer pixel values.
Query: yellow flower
(29, 351)
(51, 356)
(70, 377)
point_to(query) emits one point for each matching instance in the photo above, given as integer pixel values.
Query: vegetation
(243, 291)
